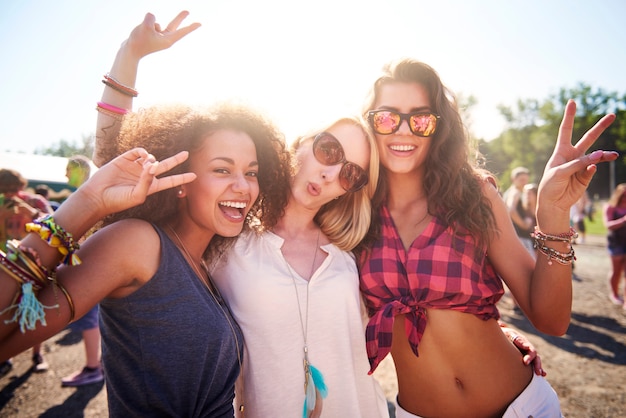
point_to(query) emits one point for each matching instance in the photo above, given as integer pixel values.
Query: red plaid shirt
(440, 271)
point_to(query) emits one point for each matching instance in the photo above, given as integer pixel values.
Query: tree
(533, 126)
(66, 149)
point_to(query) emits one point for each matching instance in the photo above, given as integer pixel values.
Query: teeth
(238, 205)
(402, 147)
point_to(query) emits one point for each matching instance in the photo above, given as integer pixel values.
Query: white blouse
(255, 281)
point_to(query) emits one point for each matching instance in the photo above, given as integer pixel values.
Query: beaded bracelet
(565, 237)
(552, 254)
(539, 244)
(116, 85)
(57, 237)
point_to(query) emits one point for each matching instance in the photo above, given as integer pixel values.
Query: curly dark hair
(168, 129)
(453, 174)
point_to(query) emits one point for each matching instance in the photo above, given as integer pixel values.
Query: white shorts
(538, 400)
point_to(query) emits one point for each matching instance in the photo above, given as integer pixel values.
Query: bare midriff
(466, 367)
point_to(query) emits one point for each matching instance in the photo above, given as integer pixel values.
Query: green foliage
(66, 149)
(533, 125)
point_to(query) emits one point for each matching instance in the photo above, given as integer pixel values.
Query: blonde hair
(346, 220)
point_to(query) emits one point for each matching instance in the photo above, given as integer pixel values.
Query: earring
(179, 192)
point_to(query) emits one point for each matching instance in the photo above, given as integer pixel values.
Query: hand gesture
(127, 180)
(569, 170)
(529, 353)
(148, 37)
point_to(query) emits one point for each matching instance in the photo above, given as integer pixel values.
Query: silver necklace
(304, 322)
(217, 297)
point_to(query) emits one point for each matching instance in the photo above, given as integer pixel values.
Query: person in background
(615, 222)
(578, 213)
(523, 222)
(441, 244)
(77, 172)
(529, 202)
(18, 208)
(44, 191)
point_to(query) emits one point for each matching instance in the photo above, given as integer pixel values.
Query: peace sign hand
(569, 170)
(127, 180)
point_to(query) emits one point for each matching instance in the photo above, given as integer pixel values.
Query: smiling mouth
(402, 148)
(233, 209)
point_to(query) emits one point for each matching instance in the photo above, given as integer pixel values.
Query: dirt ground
(587, 367)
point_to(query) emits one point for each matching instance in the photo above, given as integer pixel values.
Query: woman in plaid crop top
(432, 261)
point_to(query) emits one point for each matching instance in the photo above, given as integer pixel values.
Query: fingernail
(596, 154)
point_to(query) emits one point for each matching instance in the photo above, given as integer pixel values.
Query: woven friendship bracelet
(16, 254)
(56, 237)
(17, 273)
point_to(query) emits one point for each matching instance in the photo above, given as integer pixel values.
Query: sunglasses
(328, 151)
(387, 122)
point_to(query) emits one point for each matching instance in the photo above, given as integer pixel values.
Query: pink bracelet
(112, 108)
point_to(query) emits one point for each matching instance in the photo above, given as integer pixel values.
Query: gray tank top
(167, 349)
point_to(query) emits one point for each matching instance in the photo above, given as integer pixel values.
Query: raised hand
(569, 170)
(148, 37)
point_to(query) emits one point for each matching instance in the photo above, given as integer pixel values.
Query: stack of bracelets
(24, 266)
(539, 244)
(109, 109)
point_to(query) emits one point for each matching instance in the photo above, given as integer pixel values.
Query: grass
(596, 226)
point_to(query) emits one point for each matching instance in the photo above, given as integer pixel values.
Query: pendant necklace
(313, 379)
(217, 297)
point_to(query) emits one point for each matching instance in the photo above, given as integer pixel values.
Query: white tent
(38, 169)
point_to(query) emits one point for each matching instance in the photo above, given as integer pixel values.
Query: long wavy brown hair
(453, 174)
(168, 129)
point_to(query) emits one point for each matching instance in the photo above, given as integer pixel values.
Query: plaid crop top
(440, 271)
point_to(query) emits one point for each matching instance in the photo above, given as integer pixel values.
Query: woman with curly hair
(442, 241)
(170, 346)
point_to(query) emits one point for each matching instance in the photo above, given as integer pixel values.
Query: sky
(302, 63)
